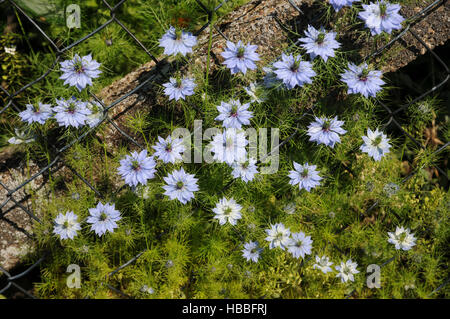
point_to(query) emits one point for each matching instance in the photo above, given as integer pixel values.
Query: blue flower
(229, 146)
(323, 263)
(300, 245)
(271, 80)
(360, 79)
(177, 41)
(36, 114)
(96, 115)
(181, 186)
(293, 71)
(325, 131)
(66, 226)
(168, 150)
(137, 168)
(179, 88)
(257, 92)
(22, 136)
(71, 112)
(103, 218)
(227, 210)
(319, 43)
(79, 72)
(234, 114)
(245, 170)
(381, 16)
(240, 57)
(278, 236)
(375, 144)
(305, 176)
(251, 251)
(339, 4)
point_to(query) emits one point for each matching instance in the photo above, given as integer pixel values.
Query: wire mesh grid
(58, 160)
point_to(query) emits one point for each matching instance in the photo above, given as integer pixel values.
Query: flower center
(245, 165)
(279, 236)
(71, 108)
(304, 174)
(179, 83)
(383, 10)
(320, 38)
(103, 217)
(36, 109)
(179, 185)
(241, 52)
(78, 67)
(233, 111)
(402, 237)
(295, 66)
(135, 165)
(227, 211)
(377, 141)
(326, 126)
(169, 147)
(178, 34)
(364, 74)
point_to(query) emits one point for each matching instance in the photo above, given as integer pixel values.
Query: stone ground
(260, 22)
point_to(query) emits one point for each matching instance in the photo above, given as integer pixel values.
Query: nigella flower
(245, 170)
(347, 270)
(300, 245)
(79, 72)
(360, 79)
(234, 114)
(229, 146)
(381, 16)
(22, 136)
(323, 263)
(169, 150)
(278, 236)
(103, 218)
(181, 186)
(179, 88)
(293, 71)
(305, 176)
(240, 57)
(96, 115)
(271, 80)
(375, 144)
(137, 168)
(325, 131)
(339, 4)
(71, 112)
(177, 41)
(227, 210)
(66, 226)
(319, 43)
(289, 208)
(402, 238)
(256, 92)
(251, 251)
(38, 114)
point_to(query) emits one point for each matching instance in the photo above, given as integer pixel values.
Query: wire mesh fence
(57, 161)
